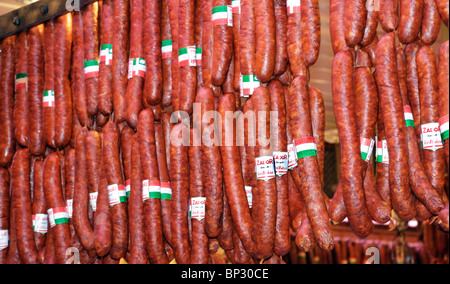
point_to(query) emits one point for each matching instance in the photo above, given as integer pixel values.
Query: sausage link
(198, 39)
(443, 10)
(317, 108)
(236, 42)
(4, 210)
(355, 17)
(337, 30)
(125, 137)
(389, 18)
(105, 96)
(7, 144)
(410, 20)
(395, 127)
(310, 31)
(382, 176)
(90, 44)
(54, 199)
(227, 86)
(173, 7)
(294, 41)
(20, 115)
(226, 235)
(241, 256)
(443, 219)
(443, 81)
(373, 18)
(120, 58)
(431, 22)
(93, 151)
(247, 42)
(371, 48)
(296, 206)
(111, 160)
(39, 206)
(336, 209)
(152, 92)
(49, 84)
(412, 83)
(166, 62)
(281, 56)
(352, 184)
(265, 40)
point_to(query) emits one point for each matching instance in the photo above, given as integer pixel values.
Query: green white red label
(409, 118)
(128, 187)
(222, 15)
(58, 216)
(153, 187)
(431, 136)
(443, 126)
(197, 207)
(293, 6)
(248, 85)
(248, 192)
(305, 147)
(292, 157)
(40, 223)
(236, 6)
(21, 81)
(4, 239)
(379, 151)
(91, 69)
(187, 56)
(136, 68)
(265, 169)
(166, 48)
(166, 191)
(366, 148)
(198, 56)
(385, 152)
(93, 200)
(281, 162)
(69, 207)
(117, 194)
(48, 99)
(106, 54)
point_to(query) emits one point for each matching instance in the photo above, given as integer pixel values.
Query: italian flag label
(431, 136)
(40, 223)
(197, 208)
(292, 157)
(90, 69)
(187, 56)
(128, 187)
(58, 216)
(117, 194)
(281, 163)
(153, 187)
(4, 239)
(166, 191)
(21, 81)
(306, 147)
(248, 85)
(293, 6)
(366, 148)
(48, 99)
(265, 169)
(198, 56)
(222, 15)
(379, 151)
(93, 200)
(409, 118)
(248, 192)
(236, 6)
(443, 125)
(106, 54)
(166, 48)
(69, 207)
(136, 68)
(385, 159)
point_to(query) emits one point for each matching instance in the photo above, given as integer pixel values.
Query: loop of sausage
(389, 18)
(431, 22)
(355, 17)
(410, 20)
(21, 113)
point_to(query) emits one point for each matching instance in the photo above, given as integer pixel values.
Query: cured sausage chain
(191, 132)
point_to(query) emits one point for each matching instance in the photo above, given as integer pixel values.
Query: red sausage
(105, 96)
(310, 31)
(166, 61)
(410, 20)
(337, 30)
(355, 16)
(281, 56)
(265, 40)
(294, 41)
(21, 100)
(49, 85)
(317, 108)
(247, 42)
(4, 212)
(173, 7)
(389, 18)
(431, 23)
(373, 17)
(443, 10)
(412, 83)
(443, 81)
(39, 205)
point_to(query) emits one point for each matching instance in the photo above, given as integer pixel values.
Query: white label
(69, 207)
(431, 137)
(93, 200)
(197, 207)
(145, 193)
(113, 193)
(385, 152)
(292, 157)
(40, 223)
(281, 163)
(264, 168)
(293, 6)
(4, 239)
(248, 192)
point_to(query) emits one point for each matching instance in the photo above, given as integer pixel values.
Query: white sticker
(264, 168)
(281, 163)
(366, 148)
(293, 6)
(197, 207)
(117, 194)
(58, 216)
(69, 207)
(145, 193)
(385, 152)
(248, 192)
(431, 136)
(4, 239)
(292, 157)
(40, 223)
(93, 200)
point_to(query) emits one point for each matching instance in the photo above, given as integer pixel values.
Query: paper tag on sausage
(379, 151)
(187, 56)
(93, 200)
(409, 118)
(248, 192)
(49, 99)
(90, 69)
(166, 48)
(265, 169)
(145, 193)
(198, 56)
(166, 191)
(430, 136)
(281, 163)
(292, 157)
(136, 68)
(4, 239)
(443, 126)
(128, 188)
(106, 54)
(305, 147)
(58, 216)
(21, 81)
(153, 188)
(197, 207)
(236, 6)
(117, 194)
(385, 159)
(40, 223)
(293, 6)
(248, 85)
(222, 15)
(366, 148)
(69, 207)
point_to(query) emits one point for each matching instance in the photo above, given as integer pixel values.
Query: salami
(410, 20)
(431, 23)
(21, 113)
(389, 18)
(166, 53)
(105, 95)
(443, 80)
(4, 211)
(354, 21)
